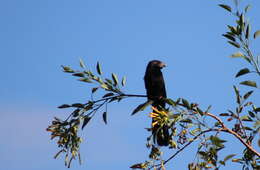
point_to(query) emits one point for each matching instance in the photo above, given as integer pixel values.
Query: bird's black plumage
(155, 90)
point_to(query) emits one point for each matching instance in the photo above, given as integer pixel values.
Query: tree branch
(181, 149)
(227, 130)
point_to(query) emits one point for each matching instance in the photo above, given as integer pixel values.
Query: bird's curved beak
(162, 65)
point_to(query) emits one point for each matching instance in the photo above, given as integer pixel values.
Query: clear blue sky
(39, 36)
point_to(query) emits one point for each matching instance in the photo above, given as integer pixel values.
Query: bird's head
(156, 64)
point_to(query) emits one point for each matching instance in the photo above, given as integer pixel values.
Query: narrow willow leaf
(257, 109)
(186, 121)
(246, 118)
(247, 8)
(104, 86)
(87, 80)
(94, 89)
(108, 94)
(200, 111)
(242, 72)
(241, 21)
(249, 83)
(229, 157)
(109, 81)
(248, 29)
(75, 113)
(141, 107)
(137, 166)
(256, 34)
(194, 131)
(237, 55)
(105, 117)
(185, 103)
(79, 105)
(251, 114)
(57, 154)
(230, 37)
(222, 162)
(226, 7)
(115, 79)
(217, 141)
(81, 63)
(98, 68)
(78, 74)
(237, 160)
(235, 44)
(123, 81)
(232, 29)
(67, 69)
(224, 114)
(64, 106)
(248, 128)
(247, 94)
(170, 102)
(86, 119)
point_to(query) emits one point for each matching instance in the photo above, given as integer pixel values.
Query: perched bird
(155, 90)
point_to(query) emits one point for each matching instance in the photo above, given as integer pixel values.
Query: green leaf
(75, 113)
(79, 105)
(105, 117)
(256, 34)
(185, 103)
(224, 114)
(86, 119)
(108, 94)
(67, 69)
(247, 8)
(98, 67)
(64, 106)
(257, 109)
(78, 74)
(209, 107)
(94, 89)
(87, 80)
(138, 166)
(81, 63)
(141, 107)
(58, 153)
(217, 141)
(249, 83)
(170, 102)
(229, 157)
(200, 111)
(237, 55)
(109, 81)
(241, 21)
(242, 72)
(251, 114)
(195, 131)
(235, 44)
(123, 81)
(247, 94)
(246, 118)
(230, 37)
(248, 128)
(115, 79)
(186, 121)
(232, 29)
(226, 7)
(248, 29)
(104, 86)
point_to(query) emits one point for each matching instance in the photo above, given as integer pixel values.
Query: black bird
(155, 90)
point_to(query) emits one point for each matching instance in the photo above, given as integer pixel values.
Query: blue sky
(39, 36)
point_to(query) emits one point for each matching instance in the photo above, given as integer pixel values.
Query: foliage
(186, 120)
